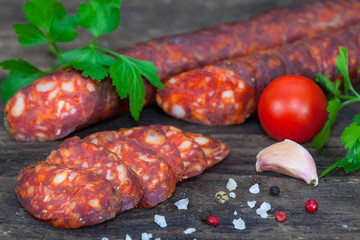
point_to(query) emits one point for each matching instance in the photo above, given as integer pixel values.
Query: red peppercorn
(280, 216)
(311, 205)
(213, 221)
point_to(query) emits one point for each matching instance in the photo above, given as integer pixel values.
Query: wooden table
(338, 194)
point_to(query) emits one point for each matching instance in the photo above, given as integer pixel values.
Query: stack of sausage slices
(88, 181)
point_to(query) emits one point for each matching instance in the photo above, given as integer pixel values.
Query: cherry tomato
(292, 107)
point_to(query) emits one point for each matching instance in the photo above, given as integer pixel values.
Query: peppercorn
(274, 190)
(213, 221)
(221, 197)
(311, 205)
(280, 216)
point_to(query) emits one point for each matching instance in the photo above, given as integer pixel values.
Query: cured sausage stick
(62, 102)
(226, 93)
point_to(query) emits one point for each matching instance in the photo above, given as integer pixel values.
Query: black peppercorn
(274, 191)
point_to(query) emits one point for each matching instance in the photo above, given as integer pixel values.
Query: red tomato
(292, 107)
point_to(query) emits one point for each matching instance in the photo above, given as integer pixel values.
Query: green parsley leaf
(148, 70)
(29, 35)
(343, 69)
(21, 74)
(350, 135)
(93, 63)
(16, 81)
(351, 161)
(19, 65)
(127, 74)
(42, 13)
(357, 118)
(333, 109)
(323, 136)
(333, 88)
(136, 96)
(99, 16)
(64, 29)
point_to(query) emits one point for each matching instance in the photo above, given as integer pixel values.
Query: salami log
(226, 93)
(157, 140)
(77, 153)
(66, 197)
(156, 177)
(48, 109)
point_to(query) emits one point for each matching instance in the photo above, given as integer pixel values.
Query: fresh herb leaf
(127, 78)
(333, 88)
(351, 135)
(343, 69)
(99, 16)
(19, 65)
(351, 162)
(64, 29)
(323, 136)
(42, 13)
(16, 81)
(21, 74)
(29, 35)
(94, 64)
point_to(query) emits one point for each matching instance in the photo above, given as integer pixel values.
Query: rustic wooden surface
(338, 194)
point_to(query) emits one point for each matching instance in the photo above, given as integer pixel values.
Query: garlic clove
(289, 158)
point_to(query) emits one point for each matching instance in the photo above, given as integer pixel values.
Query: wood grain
(338, 194)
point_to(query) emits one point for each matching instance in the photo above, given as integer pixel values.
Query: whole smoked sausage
(62, 102)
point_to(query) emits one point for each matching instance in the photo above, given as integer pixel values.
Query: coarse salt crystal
(262, 210)
(104, 238)
(239, 224)
(251, 204)
(254, 189)
(265, 206)
(160, 220)
(235, 213)
(190, 230)
(232, 195)
(157, 239)
(231, 184)
(146, 236)
(182, 204)
(261, 213)
(127, 237)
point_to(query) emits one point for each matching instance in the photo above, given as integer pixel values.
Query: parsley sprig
(48, 23)
(351, 135)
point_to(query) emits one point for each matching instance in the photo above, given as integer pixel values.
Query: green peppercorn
(221, 197)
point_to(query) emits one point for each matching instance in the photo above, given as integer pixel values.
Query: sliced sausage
(65, 197)
(156, 140)
(156, 177)
(215, 150)
(192, 155)
(77, 153)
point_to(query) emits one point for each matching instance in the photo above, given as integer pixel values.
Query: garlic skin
(289, 158)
